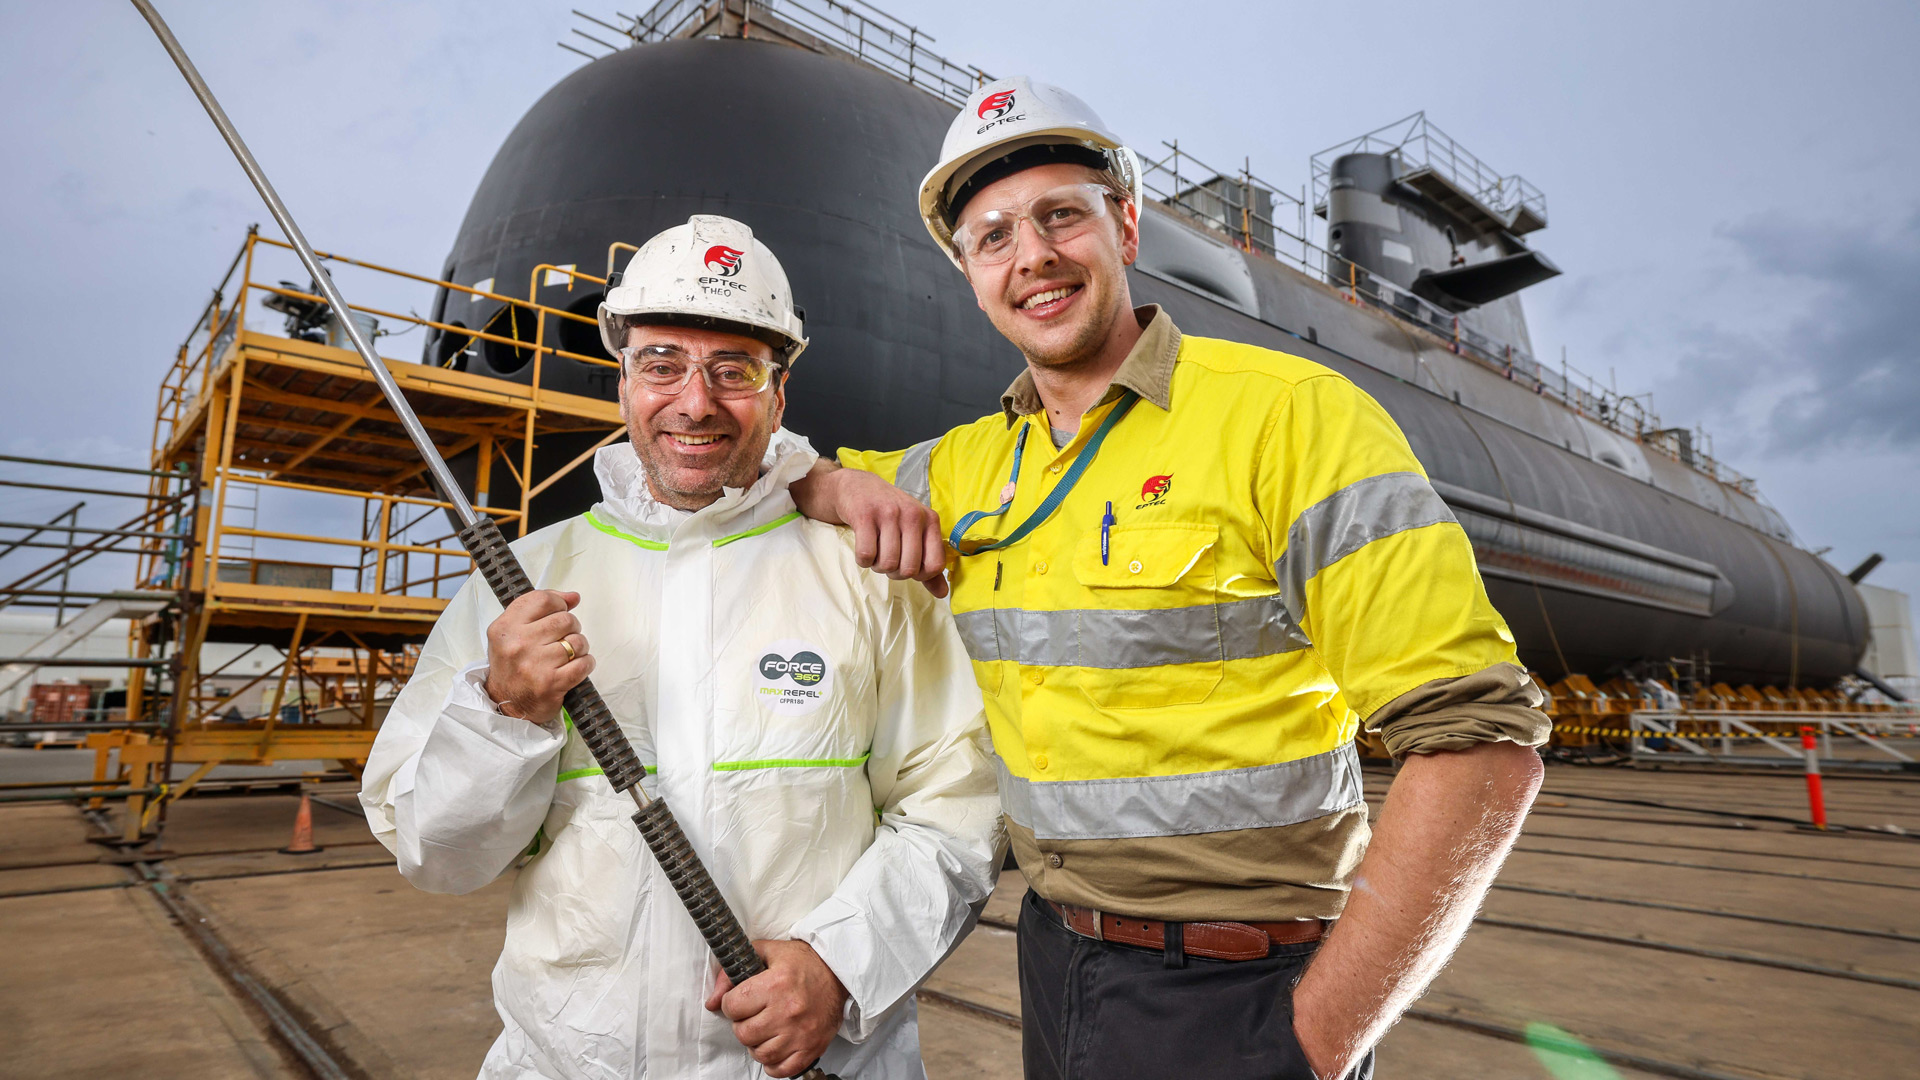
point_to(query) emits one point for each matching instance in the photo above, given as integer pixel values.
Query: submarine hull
(1600, 555)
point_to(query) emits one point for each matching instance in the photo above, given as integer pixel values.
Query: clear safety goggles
(988, 238)
(666, 370)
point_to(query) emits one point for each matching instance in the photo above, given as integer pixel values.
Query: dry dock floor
(1675, 924)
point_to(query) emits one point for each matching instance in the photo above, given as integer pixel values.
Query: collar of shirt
(627, 503)
(1147, 370)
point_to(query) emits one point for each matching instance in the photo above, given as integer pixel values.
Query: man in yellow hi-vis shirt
(1186, 571)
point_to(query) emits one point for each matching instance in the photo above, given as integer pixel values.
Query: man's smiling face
(693, 444)
(1055, 301)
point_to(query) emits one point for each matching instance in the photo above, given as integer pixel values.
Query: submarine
(1612, 547)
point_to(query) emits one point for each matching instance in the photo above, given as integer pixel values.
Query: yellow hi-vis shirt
(1174, 721)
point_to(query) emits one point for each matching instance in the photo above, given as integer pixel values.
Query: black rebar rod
(502, 571)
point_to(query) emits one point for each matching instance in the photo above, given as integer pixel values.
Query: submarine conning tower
(1420, 216)
(1612, 544)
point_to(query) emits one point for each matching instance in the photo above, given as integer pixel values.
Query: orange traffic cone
(303, 830)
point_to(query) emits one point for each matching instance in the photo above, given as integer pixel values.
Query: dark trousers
(1092, 1010)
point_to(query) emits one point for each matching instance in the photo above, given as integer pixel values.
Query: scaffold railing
(310, 455)
(1420, 144)
(859, 29)
(1261, 218)
(279, 516)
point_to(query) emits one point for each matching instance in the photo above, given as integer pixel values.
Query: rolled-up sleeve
(915, 893)
(1498, 704)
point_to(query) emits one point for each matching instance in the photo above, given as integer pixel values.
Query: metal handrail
(187, 379)
(1166, 180)
(899, 49)
(1419, 142)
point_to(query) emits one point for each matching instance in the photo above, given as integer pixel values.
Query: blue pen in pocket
(1106, 527)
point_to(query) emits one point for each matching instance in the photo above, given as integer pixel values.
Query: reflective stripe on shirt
(1259, 797)
(1350, 519)
(912, 477)
(1110, 638)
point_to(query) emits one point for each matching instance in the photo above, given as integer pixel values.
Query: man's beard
(740, 472)
(1084, 345)
(1079, 349)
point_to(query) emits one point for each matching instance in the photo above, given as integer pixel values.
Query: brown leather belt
(1213, 940)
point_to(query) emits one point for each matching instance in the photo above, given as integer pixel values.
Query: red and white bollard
(1816, 799)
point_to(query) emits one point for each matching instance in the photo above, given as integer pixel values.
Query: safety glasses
(666, 370)
(989, 237)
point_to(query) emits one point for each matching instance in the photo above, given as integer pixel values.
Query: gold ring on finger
(568, 645)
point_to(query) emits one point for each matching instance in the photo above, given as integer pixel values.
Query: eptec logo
(998, 105)
(805, 668)
(997, 109)
(723, 260)
(793, 677)
(1154, 491)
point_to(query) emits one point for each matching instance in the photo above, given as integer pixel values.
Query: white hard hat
(1006, 116)
(711, 268)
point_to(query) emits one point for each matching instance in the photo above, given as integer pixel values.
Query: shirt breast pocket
(1151, 634)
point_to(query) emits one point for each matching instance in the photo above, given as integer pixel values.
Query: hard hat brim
(785, 345)
(945, 176)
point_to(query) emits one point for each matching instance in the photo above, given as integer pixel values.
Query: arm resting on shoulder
(893, 533)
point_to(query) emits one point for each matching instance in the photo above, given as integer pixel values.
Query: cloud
(1843, 372)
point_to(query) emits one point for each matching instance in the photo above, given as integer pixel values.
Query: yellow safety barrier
(1647, 733)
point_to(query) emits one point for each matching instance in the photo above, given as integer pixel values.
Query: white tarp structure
(1891, 653)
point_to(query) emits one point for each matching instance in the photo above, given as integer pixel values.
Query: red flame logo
(723, 260)
(998, 104)
(1155, 489)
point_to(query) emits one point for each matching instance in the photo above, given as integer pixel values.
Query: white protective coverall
(814, 726)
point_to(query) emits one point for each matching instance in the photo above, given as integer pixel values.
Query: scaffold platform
(271, 450)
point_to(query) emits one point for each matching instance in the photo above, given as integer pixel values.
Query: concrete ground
(1675, 923)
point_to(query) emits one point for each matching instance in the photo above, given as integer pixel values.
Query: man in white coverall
(815, 728)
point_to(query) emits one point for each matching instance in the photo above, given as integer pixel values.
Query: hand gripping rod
(502, 571)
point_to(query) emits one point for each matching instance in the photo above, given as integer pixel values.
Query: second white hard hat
(1006, 116)
(709, 271)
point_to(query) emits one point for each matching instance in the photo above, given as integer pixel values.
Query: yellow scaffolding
(244, 411)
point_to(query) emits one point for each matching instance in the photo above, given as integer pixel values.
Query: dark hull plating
(823, 158)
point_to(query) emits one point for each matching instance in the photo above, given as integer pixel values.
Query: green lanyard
(1053, 500)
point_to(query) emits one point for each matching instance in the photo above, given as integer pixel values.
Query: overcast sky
(1731, 185)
